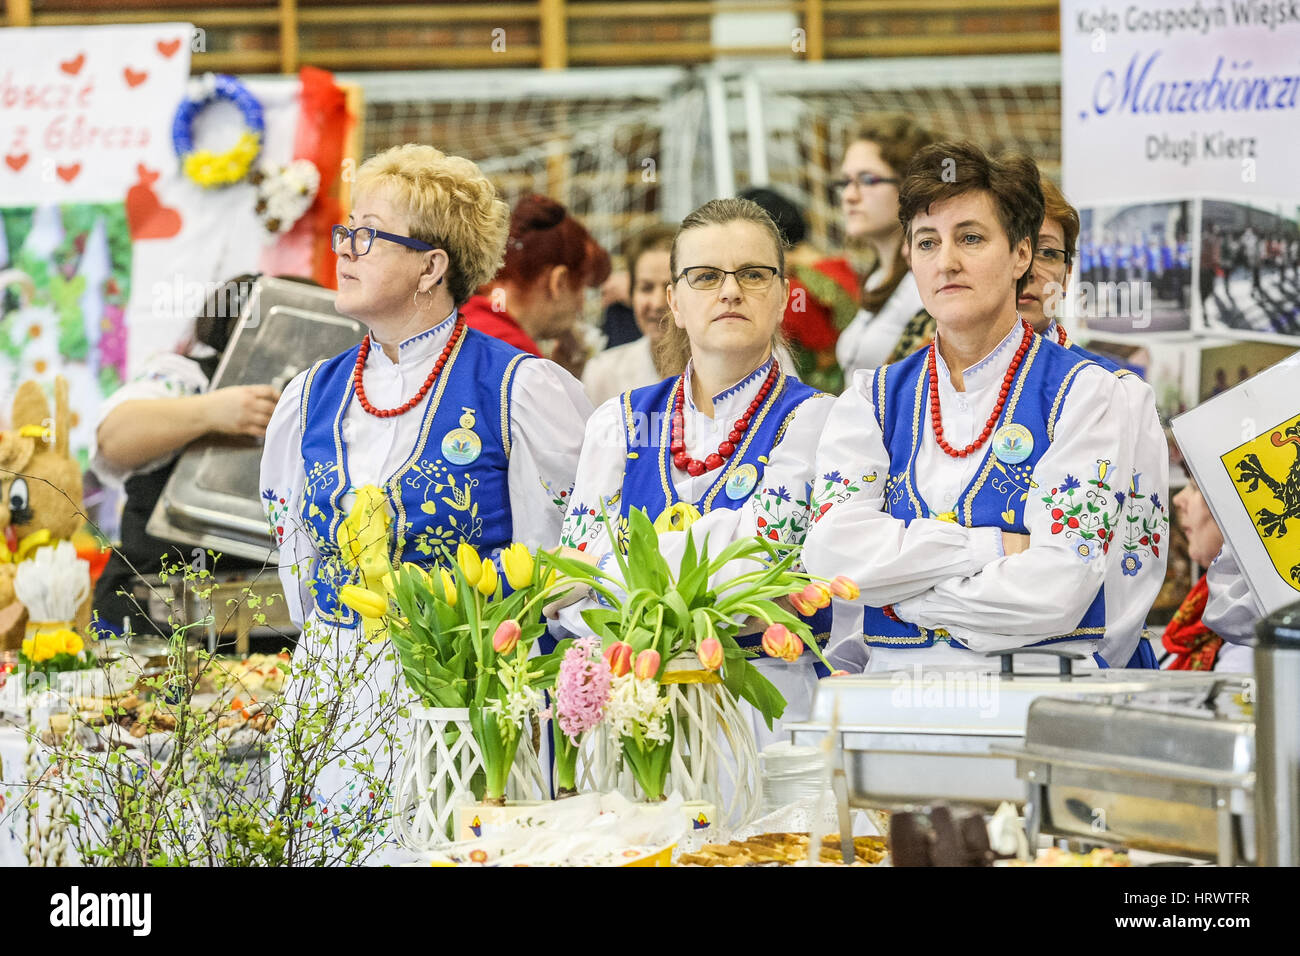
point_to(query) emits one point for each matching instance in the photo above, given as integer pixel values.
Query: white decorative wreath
(285, 193)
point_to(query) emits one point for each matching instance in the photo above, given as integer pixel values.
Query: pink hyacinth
(582, 687)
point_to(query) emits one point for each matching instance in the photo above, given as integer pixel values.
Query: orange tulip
(844, 588)
(710, 653)
(802, 607)
(817, 594)
(647, 665)
(619, 657)
(775, 639)
(506, 637)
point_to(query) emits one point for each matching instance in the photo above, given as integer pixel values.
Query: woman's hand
(1014, 543)
(577, 592)
(240, 409)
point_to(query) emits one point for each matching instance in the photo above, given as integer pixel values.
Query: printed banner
(1243, 447)
(82, 110)
(1180, 128)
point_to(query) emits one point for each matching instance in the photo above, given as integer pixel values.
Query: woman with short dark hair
(985, 463)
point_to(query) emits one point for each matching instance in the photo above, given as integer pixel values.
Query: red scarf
(1194, 645)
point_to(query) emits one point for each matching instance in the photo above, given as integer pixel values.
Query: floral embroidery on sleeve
(1084, 514)
(585, 524)
(558, 498)
(1145, 523)
(277, 509)
(832, 488)
(780, 518)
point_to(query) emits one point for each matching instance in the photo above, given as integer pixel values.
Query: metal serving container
(1170, 770)
(913, 737)
(212, 499)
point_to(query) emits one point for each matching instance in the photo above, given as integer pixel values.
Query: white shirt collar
(987, 370)
(736, 396)
(419, 346)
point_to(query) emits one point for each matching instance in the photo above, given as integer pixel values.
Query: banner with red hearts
(82, 109)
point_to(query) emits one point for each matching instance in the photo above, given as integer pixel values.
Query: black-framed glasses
(861, 180)
(1052, 258)
(360, 239)
(709, 278)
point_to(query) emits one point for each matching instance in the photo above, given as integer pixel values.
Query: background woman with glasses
(430, 431)
(730, 434)
(1137, 571)
(892, 321)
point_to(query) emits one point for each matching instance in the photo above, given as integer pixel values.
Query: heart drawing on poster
(133, 78)
(168, 48)
(68, 173)
(146, 216)
(73, 67)
(16, 163)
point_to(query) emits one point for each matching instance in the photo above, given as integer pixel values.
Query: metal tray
(1169, 770)
(915, 737)
(212, 499)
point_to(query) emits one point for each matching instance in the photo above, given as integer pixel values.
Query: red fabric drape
(323, 125)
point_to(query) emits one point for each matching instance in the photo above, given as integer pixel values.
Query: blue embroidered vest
(453, 485)
(648, 469)
(996, 496)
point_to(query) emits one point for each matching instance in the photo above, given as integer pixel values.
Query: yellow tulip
(364, 601)
(677, 517)
(517, 562)
(72, 643)
(414, 568)
(487, 582)
(448, 587)
(28, 647)
(471, 565)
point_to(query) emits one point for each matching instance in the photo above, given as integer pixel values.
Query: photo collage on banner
(1190, 224)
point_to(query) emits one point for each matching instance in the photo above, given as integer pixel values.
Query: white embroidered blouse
(940, 574)
(1140, 553)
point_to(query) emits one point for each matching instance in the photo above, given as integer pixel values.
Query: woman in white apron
(987, 462)
(427, 434)
(731, 432)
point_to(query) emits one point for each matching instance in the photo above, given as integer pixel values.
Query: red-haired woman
(551, 259)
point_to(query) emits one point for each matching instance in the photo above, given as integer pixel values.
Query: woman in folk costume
(1140, 551)
(892, 322)
(979, 508)
(426, 435)
(729, 434)
(1214, 627)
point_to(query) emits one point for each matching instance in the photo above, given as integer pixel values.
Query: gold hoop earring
(416, 298)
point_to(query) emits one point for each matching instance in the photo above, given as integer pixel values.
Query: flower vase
(443, 768)
(715, 756)
(437, 773)
(600, 766)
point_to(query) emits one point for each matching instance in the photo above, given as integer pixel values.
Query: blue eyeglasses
(360, 239)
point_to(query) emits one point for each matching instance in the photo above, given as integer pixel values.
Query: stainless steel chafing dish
(914, 737)
(212, 499)
(1170, 770)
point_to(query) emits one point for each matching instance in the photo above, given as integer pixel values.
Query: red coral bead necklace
(360, 388)
(936, 416)
(1060, 333)
(693, 466)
